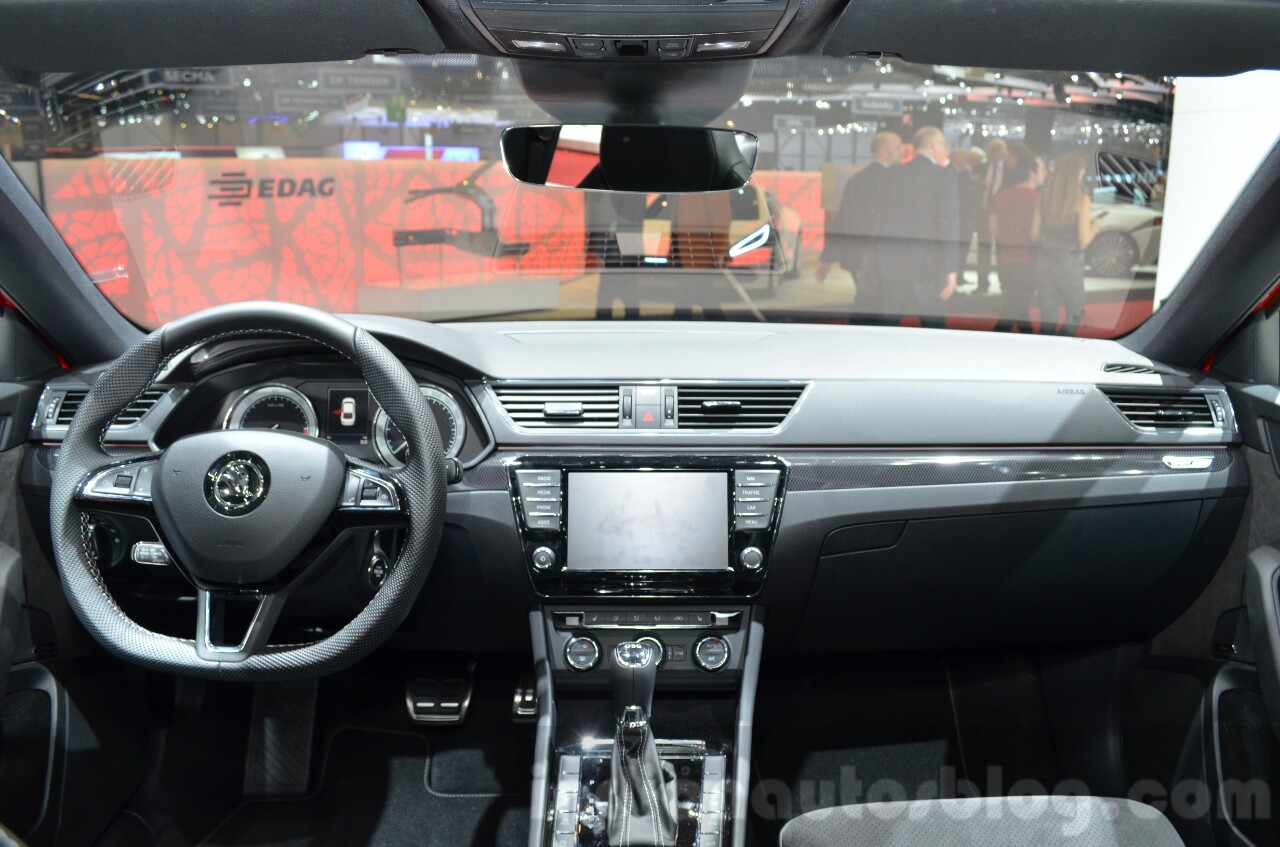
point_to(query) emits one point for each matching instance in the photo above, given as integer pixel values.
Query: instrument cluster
(344, 413)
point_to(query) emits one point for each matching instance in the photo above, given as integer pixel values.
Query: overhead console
(594, 30)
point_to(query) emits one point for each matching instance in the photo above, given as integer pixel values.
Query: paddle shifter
(642, 788)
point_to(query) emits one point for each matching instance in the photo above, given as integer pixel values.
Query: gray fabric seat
(985, 822)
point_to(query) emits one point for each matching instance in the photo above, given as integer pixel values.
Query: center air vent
(1164, 409)
(570, 406)
(736, 406)
(72, 399)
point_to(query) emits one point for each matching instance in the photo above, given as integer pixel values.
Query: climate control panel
(698, 647)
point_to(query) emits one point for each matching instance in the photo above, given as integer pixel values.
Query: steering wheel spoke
(212, 610)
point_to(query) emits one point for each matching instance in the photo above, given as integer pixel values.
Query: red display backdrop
(166, 237)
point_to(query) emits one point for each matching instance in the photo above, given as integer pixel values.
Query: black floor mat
(375, 791)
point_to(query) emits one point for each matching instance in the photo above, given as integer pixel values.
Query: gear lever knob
(634, 673)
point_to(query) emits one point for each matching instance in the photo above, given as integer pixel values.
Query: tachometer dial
(277, 407)
(390, 442)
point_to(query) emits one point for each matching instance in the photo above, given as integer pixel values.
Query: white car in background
(1129, 222)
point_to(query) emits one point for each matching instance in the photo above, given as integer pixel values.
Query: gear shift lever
(642, 788)
(634, 673)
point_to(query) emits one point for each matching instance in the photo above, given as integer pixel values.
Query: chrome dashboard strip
(832, 470)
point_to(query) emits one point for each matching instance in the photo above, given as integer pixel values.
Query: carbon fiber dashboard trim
(834, 470)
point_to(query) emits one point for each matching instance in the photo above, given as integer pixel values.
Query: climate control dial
(711, 653)
(582, 653)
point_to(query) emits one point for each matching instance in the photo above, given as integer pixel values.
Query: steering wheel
(248, 516)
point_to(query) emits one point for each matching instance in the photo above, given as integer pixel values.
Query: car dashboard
(873, 489)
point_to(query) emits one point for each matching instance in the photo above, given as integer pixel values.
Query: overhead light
(754, 241)
(722, 46)
(549, 46)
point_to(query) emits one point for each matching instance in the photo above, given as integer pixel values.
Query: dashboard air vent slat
(736, 407)
(1122, 368)
(74, 397)
(561, 406)
(1163, 409)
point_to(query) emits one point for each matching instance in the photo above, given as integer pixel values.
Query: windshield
(884, 192)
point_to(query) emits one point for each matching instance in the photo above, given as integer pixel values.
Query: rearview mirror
(645, 159)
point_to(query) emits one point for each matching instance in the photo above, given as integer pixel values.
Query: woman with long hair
(1063, 226)
(1011, 214)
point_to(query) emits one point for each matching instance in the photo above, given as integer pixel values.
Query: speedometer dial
(390, 442)
(278, 407)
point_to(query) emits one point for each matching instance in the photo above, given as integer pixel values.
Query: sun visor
(94, 35)
(1150, 37)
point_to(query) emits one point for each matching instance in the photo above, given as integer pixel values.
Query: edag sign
(232, 188)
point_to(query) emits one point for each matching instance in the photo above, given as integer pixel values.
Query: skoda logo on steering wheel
(236, 484)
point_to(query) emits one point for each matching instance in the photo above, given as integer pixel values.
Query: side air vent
(736, 406)
(1121, 368)
(70, 404)
(72, 399)
(567, 406)
(1164, 409)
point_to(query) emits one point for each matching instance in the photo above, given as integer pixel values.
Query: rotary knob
(544, 558)
(711, 653)
(751, 558)
(582, 653)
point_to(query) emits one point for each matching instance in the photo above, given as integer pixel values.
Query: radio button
(538, 478)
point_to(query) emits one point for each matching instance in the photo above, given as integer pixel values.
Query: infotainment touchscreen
(647, 521)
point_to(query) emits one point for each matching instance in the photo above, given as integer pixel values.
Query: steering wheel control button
(130, 482)
(582, 653)
(366, 490)
(544, 558)
(751, 558)
(237, 483)
(151, 553)
(377, 571)
(711, 653)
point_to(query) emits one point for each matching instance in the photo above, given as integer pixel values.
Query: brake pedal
(440, 700)
(524, 706)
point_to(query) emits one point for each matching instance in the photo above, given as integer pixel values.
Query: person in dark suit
(919, 250)
(852, 239)
(991, 178)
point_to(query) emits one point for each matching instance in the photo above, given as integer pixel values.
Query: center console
(645, 566)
